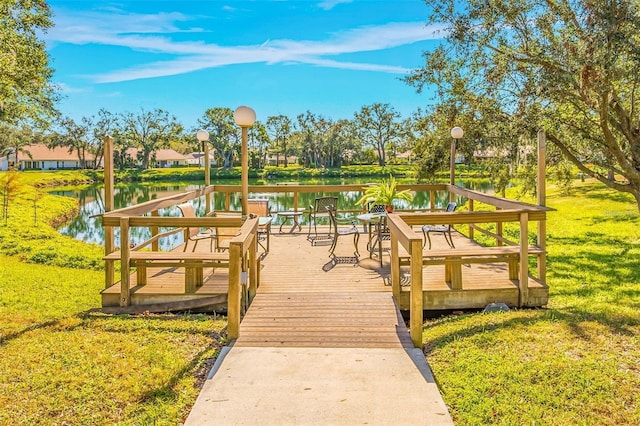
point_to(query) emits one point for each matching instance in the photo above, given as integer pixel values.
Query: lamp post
(456, 133)
(203, 137)
(244, 117)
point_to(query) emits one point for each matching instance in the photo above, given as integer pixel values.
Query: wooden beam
(395, 266)
(180, 305)
(125, 290)
(234, 304)
(542, 201)
(416, 319)
(524, 260)
(109, 237)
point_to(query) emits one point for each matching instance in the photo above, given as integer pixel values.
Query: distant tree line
(505, 70)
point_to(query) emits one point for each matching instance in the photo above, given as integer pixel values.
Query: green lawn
(576, 362)
(62, 363)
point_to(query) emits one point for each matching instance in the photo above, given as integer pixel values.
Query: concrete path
(320, 346)
(320, 386)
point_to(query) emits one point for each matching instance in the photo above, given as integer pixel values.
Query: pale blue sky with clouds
(330, 57)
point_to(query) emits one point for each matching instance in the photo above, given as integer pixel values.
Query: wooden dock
(296, 270)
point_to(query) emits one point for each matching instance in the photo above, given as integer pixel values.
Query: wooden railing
(402, 234)
(296, 190)
(243, 259)
(243, 247)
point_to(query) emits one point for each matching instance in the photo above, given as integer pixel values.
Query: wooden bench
(192, 262)
(453, 259)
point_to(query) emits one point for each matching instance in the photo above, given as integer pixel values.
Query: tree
(105, 124)
(13, 140)
(25, 88)
(74, 136)
(279, 127)
(224, 134)
(150, 131)
(376, 125)
(570, 68)
(258, 141)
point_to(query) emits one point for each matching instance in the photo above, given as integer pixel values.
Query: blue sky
(330, 57)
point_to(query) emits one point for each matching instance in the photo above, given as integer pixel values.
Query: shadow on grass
(19, 333)
(616, 323)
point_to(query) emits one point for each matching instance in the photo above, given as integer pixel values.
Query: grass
(63, 363)
(575, 362)
(578, 360)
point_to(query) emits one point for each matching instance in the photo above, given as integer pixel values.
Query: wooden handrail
(240, 246)
(160, 203)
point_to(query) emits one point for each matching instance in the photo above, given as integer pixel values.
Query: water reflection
(87, 226)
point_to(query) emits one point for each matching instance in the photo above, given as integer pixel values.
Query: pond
(87, 226)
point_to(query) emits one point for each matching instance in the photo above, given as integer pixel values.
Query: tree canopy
(571, 68)
(25, 88)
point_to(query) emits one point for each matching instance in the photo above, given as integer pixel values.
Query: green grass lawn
(63, 363)
(575, 362)
(578, 360)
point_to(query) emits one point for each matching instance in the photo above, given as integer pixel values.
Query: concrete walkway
(321, 346)
(318, 386)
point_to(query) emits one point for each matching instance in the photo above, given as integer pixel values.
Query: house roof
(41, 152)
(161, 154)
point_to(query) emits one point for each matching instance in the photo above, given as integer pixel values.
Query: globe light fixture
(202, 135)
(244, 117)
(457, 133)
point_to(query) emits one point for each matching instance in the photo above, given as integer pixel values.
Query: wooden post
(207, 177)
(125, 295)
(542, 201)
(499, 231)
(295, 201)
(416, 318)
(245, 170)
(470, 225)
(253, 268)
(395, 266)
(154, 231)
(452, 164)
(432, 200)
(524, 260)
(109, 239)
(234, 301)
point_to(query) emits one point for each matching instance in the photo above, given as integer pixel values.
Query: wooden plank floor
(304, 300)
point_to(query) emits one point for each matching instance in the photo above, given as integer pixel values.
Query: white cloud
(330, 4)
(141, 33)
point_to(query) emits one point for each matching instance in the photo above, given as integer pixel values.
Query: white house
(41, 157)
(197, 159)
(163, 157)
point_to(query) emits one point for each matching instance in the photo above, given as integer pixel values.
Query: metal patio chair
(442, 229)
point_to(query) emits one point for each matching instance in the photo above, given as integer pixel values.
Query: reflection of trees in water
(88, 228)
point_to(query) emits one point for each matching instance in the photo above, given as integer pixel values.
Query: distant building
(278, 160)
(163, 158)
(41, 157)
(197, 159)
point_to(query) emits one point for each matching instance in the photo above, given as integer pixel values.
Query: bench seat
(192, 262)
(453, 259)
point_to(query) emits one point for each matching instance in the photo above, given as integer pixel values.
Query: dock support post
(395, 267)
(109, 240)
(524, 260)
(235, 290)
(416, 319)
(542, 201)
(125, 288)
